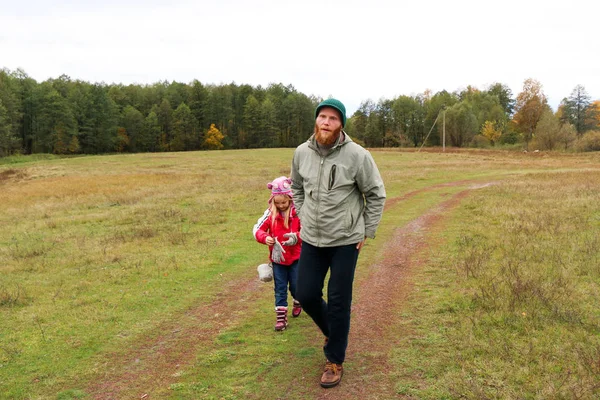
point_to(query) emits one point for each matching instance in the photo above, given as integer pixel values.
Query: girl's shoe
(297, 309)
(281, 323)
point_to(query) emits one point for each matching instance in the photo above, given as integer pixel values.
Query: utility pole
(444, 130)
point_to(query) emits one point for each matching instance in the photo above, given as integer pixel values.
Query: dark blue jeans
(333, 316)
(284, 275)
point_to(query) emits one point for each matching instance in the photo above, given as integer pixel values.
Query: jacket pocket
(332, 172)
(354, 222)
(349, 221)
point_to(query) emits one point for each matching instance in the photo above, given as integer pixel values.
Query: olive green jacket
(340, 196)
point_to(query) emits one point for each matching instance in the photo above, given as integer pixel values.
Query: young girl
(279, 228)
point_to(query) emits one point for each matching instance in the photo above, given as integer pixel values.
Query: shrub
(397, 140)
(590, 141)
(510, 137)
(480, 142)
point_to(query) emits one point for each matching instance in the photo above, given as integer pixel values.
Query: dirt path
(387, 288)
(155, 362)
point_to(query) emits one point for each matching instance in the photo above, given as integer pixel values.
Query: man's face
(327, 126)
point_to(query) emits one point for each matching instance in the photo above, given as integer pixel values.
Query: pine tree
(8, 140)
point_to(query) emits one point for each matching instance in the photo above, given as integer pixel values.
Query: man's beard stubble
(326, 138)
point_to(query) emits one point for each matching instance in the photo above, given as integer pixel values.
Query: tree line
(65, 116)
(71, 116)
(478, 118)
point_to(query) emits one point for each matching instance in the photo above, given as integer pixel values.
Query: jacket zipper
(336, 148)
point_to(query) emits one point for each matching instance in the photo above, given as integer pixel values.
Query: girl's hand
(269, 241)
(292, 239)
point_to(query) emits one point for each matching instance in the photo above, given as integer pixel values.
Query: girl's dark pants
(284, 275)
(333, 316)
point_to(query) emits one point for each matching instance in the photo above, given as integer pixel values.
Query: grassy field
(99, 254)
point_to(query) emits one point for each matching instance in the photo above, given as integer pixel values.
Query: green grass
(96, 252)
(19, 159)
(509, 307)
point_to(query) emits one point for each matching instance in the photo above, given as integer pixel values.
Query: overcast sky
(351, 50)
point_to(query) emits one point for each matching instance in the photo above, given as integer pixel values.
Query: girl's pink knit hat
(281, 185)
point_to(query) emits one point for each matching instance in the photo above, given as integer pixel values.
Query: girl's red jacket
(264, 228)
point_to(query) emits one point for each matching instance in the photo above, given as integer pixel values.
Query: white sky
(352, 50)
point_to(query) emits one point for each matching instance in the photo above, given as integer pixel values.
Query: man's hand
(292, 239)
(361, 244)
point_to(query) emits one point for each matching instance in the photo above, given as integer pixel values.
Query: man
(339, 196)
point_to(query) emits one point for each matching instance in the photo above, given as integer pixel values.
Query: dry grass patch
(11, 175)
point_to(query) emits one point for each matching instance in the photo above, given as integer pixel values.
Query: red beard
(326, 138)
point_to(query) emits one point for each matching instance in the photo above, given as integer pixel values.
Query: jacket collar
(312, 142)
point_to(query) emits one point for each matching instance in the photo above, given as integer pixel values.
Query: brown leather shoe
(332, 374)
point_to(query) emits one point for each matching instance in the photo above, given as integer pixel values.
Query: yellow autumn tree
(60, 146)
(74, 146)
(213, 138)
(122, 140)
(593, 115)
(531, 103)
(489, 131)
